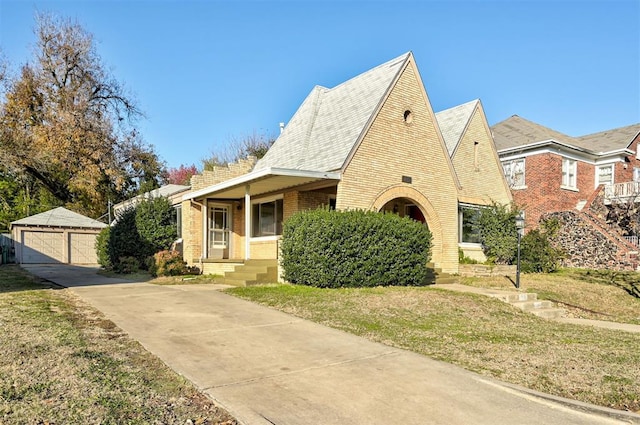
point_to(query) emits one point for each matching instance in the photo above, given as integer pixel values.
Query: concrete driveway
(266, 367)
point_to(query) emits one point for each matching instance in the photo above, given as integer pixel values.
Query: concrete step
(532, 305)
(267, 263)
(524, 296)
(549, 313)
(247, 275)
(447, 280)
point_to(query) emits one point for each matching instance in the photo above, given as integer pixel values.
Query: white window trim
(613, 173)
(575, 174)
(264, 201)
(511, 162)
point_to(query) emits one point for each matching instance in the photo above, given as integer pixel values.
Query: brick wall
(393, 148)
(543, 192)
(222, 173)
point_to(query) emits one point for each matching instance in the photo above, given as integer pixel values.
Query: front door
(219, 231)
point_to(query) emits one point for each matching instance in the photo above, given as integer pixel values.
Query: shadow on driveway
(73, 275)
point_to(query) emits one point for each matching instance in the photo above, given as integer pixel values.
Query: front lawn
(62, 362)
(485, 335)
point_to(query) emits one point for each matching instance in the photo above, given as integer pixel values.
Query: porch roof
(266, 180)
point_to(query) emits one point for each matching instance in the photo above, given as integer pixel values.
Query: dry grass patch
(586, 294)
(479, 333)
(62, 362)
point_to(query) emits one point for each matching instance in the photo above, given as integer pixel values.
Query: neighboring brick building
(372, 142)
(550, 172)
(574, 179)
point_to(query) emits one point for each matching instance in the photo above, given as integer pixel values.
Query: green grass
(62, 362)
(481, 334)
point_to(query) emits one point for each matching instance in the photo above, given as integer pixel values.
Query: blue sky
(206, 72)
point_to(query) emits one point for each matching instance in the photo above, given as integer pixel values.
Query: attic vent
(408, 117)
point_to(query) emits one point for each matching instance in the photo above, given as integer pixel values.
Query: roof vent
(281, 127)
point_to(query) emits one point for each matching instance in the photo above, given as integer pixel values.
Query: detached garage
(56, 236)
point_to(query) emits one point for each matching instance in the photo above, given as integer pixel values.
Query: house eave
(266, 180)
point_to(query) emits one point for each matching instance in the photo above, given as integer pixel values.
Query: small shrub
(126, 265)
(463, 259)
(327, 248)
(168, 263)
(537, 253)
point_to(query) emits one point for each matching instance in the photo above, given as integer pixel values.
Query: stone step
(268, 263)
(249, 275)
(549, 313)
(446, 280)
(532, 305)
(524, 296)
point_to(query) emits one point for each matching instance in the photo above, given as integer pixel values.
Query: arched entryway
(408, 201)
(405, 207)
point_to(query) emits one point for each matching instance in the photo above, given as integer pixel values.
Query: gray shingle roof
(516, 131)
(59, 217)
(610, 140)
(453, 121)
(328, 124)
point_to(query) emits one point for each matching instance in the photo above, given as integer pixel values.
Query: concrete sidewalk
(266, 367)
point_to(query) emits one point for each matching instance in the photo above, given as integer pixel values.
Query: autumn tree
(255, 144)
(69, 125)
(182, 174)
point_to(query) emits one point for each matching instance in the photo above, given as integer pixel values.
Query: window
(569, 167)
(267, 218)
(636, 174)
(179, 220)
(467, 219)
(514, 173)
(605, 175)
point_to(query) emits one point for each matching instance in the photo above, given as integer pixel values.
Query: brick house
(372, 142)
(575, 178)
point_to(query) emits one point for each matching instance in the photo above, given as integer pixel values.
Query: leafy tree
(254, 144)
(181, 175)
(497, 230)
(66, 123)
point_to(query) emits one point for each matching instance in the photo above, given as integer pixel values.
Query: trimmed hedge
(331, 249)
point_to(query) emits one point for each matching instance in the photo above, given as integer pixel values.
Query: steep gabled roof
(59, 217)
(328, 124)
(516, 131)
(453, 121)
(609, 140)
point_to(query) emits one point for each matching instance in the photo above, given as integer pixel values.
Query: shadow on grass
(13, 278)
(627, 281)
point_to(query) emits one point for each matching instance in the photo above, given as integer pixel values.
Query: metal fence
(633, 240)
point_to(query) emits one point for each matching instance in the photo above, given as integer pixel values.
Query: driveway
(266, 367)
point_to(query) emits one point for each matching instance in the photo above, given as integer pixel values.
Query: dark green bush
(124, 240)
(156, 224)
(138, 233)
(538, 255)
(327, 248)
(102, 248)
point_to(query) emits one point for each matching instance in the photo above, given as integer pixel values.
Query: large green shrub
(538, 255)
(138, 233)
(156, 224)
(327, 248)
(496, 225)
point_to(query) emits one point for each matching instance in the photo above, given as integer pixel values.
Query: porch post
(247, 222)
(205, 242)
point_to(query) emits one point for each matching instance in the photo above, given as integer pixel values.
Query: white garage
(56, 236)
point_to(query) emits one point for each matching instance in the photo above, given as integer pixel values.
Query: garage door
(82, 248)
(42, 247)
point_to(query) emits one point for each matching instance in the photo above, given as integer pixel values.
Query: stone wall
(482, 270)
(586, 245)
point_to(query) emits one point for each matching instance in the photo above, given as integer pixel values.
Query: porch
(622, 192)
